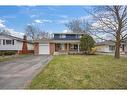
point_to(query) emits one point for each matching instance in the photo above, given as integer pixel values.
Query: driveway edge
(47, 60)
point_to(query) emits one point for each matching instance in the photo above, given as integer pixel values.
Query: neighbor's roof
(105, 43)
(16, 38)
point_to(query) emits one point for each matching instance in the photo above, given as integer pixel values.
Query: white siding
(126, 47)
(17, 44)
(30, 46)
(104, 48)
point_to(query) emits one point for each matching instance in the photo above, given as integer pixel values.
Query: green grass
(3, 59)
(82, 72)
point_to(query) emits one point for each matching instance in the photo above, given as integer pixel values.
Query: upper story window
(62, 36)
(78, 36)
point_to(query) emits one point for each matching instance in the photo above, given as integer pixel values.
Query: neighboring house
(8, 42)
(109, 47)
(61, 43)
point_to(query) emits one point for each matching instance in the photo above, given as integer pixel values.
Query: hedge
(7, 52)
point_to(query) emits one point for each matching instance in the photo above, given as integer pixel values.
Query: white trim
(78, 48)
(62, 46)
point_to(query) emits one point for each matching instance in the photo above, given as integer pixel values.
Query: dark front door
(57, 47)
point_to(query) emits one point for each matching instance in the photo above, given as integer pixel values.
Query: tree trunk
(118, 32)
(117, 50)
(117, 45)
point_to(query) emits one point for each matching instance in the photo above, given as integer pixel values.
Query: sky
(48, 18)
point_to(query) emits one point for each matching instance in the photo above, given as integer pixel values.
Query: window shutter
(3, 42)
(13, 42)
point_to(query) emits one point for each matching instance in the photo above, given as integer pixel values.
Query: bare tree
(77, 25)
(110, 20)
(45, 34)
(33, 32)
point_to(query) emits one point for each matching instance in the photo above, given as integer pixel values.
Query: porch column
(52, 48)
(67, 46)
(78, 48)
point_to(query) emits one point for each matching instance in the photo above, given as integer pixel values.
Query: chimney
(24, 46)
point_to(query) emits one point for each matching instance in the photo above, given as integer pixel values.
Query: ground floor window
(73, 46)
(8, 42)
(111, 47)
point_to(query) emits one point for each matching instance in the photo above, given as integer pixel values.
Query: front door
(57, 47)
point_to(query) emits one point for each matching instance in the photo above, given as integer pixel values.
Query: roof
(69, 33)
(65, 41)
(43, 41)
(11, 36)
(46, 41)
(15, 38)
(106, 43)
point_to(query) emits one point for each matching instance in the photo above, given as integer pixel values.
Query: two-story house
(61, 43)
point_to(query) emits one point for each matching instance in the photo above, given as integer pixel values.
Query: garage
(44, 49)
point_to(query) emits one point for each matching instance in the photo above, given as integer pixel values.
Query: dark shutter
(13, 42)
(3, 42)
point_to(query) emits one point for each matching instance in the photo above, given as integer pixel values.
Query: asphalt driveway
(18, 73)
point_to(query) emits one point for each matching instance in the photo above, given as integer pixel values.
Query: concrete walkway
(17, 74)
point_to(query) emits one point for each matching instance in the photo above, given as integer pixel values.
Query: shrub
(87, 43)
(8, 52)
(93, 51)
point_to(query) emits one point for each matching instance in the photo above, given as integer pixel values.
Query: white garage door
(44, 49)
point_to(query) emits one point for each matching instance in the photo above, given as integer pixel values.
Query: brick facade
(28, 52)
(52, 48)
(36, 48)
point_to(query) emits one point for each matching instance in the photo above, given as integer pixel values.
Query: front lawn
(82, 72)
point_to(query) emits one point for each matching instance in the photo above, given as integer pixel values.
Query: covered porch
(67, 47)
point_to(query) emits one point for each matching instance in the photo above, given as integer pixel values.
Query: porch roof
(43, 41)
(105, 43)
(65, 41)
